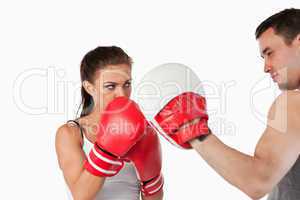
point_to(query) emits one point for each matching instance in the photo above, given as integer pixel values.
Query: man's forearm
(241, 170)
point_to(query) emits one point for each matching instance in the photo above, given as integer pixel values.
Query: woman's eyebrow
(110, 82)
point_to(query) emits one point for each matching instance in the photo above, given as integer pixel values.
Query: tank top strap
(86, 144)
(78, 125)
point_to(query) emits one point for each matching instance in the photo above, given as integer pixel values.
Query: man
(275, 166)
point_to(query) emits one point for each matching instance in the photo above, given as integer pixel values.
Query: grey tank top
(123, 186)
(289, 186)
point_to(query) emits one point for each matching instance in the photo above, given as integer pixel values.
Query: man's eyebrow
(264, 51)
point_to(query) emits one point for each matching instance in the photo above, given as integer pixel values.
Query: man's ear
(298, 39)
(89, 88)
(297, 42)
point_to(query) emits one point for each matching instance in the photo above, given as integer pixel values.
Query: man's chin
(285, 86)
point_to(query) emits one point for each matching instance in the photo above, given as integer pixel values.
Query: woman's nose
(120, 92)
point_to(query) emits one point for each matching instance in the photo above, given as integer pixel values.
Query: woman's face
(110, 82)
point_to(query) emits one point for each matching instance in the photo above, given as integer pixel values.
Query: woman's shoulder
(68, 145)
(68, 132)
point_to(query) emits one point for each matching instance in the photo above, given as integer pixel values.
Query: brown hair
(285, 23)
(94, 60)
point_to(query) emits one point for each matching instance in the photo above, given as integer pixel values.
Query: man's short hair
(285, 23)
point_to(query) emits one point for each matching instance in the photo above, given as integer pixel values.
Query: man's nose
(267, 66)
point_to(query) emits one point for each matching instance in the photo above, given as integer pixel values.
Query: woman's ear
(89, 88)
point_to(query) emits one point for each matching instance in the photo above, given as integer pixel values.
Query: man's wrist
(201, 138)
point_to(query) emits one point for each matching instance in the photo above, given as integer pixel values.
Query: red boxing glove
(146, 157)
(182, 109)
(121, 126)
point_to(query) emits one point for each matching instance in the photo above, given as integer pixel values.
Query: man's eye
(269, 53)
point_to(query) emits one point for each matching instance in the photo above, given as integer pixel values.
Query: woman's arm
(82, 184)
(158, 196)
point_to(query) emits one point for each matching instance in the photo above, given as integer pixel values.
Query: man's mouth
(275, 76)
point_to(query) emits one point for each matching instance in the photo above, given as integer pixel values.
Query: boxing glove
(187, 109)
(146, 157)
(171, 97)
(121, 126)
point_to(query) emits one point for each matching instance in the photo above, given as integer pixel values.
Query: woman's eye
(128, 84)
(110, 87)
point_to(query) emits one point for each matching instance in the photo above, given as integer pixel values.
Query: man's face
(282, 61)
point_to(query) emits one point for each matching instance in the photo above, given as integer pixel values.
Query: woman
(105, 74)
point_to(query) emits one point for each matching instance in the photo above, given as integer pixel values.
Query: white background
(42, 43)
